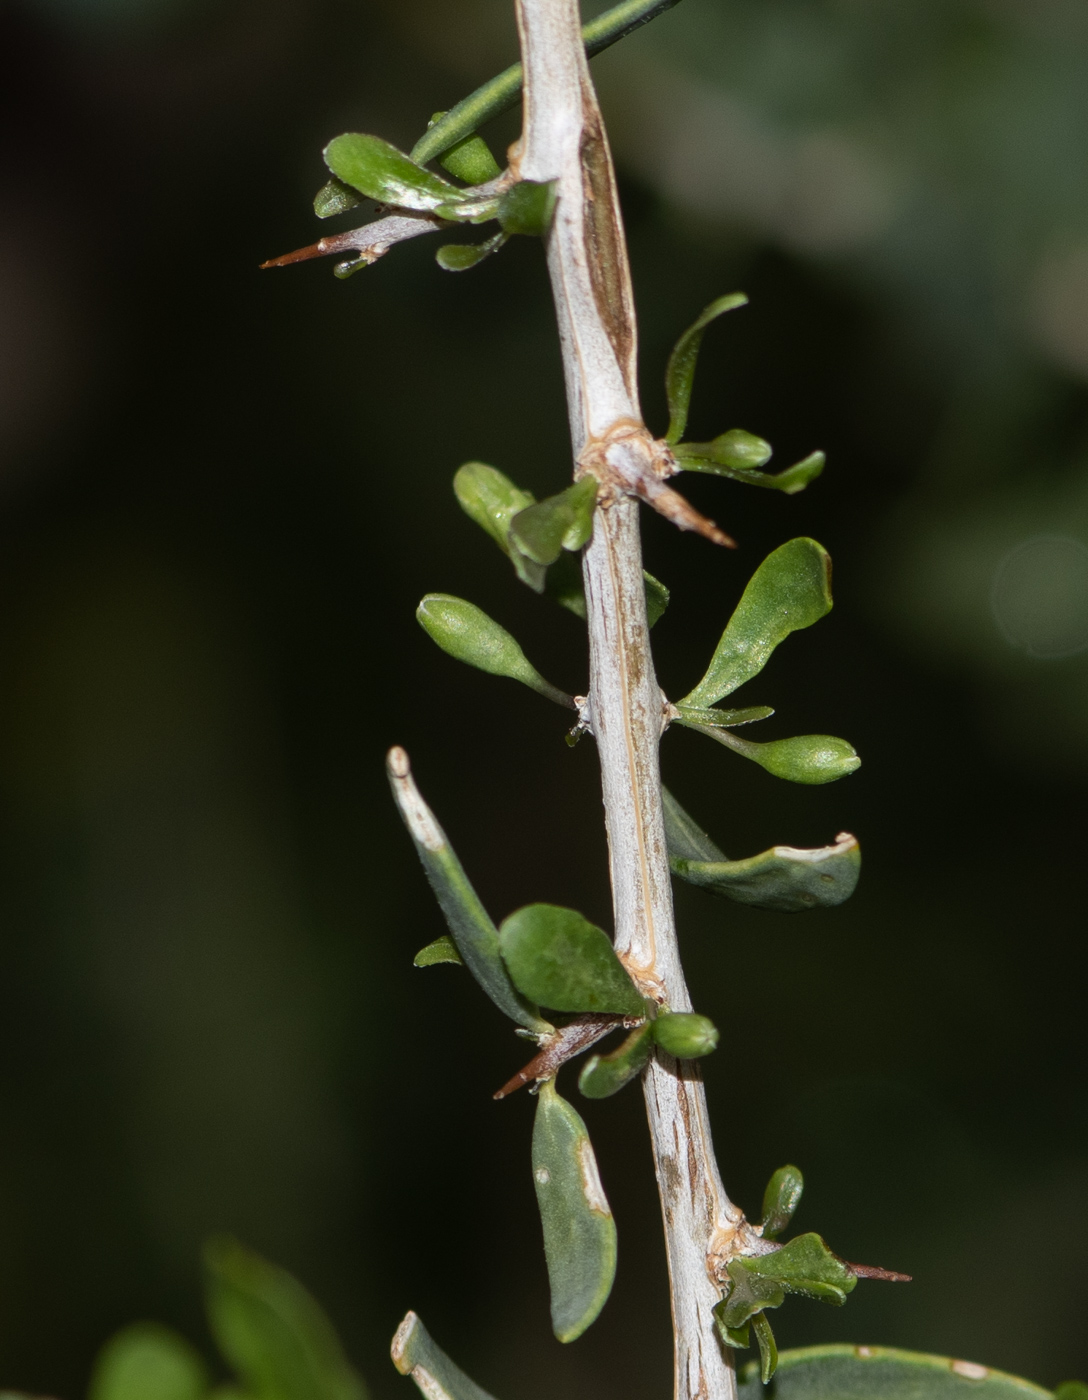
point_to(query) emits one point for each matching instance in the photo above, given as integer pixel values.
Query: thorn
(567, 1042)
(680, 511)
(871, 1271)
(337, 244)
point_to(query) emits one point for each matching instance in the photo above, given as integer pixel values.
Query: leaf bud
(685, 1034)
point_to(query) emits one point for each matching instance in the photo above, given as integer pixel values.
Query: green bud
(459, 257)
(467, 633)
(527, 207)
(335, 198)
(781, 1199)
(809, 758)
(685, 1035)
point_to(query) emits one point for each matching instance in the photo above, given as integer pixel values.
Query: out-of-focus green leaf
(605, 1075)
(468, 634)
(470, 159)
(334, 197)
(782, 878)
(476, 937)
(272, 1331)
(378, 170)
(723, 719)
(680, 371)
(561, 960)
(563, 521)
(807, 758)
(442, 950)
(416, 1354)
(1071, 1390)
(805, 1266)
(563, 584)
(490, 498)
(527, 207)
(790, 590)
(657, 598)
(790, 481)
(736, 448)
(579, 1232)
(781, 1199)
(460, 257)
(685, 1035)
(883, 1373)
(148, 1362)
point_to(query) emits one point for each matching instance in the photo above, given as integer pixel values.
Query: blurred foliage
(224, 493)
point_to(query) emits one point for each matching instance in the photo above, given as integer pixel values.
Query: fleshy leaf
(579, 1232)
(736, 449)
(442, 950)
(527, 207)
(470, 159)
(562, 961)
(723, 719)
(148, 1362)
(378, 170)
(334, 197)
(781, 1199)
(476, 937)
(807, 758)
(564, 521)
(490, 498)
(685, 1035)
(833, 1371)
(790, 590)
(605, 1075)
(680, 371)
(460, 257)
(271, 1330)
(657, 598)
(416, 1354)
(782, 878)
(768, 1350)
(467, 633)
(805, 1266)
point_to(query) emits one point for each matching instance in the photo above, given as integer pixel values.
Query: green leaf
(564, 521)
(381, 172)
(806, 758)
(335, 197)
(416, 1354)
(657, 598)
(563, 583)
(272, 1331)
(883, 1373)
(805, 1266)
(685, 1035)
(768, 1349)
(680, 371)
(605, 1075)
(460, 257)
(781, 878)
(476, 937)
(737, 1337)
(736, 448)
(561, 960)
(148, 1362)
(490, 499)
(527, 207)
(780, 1200)
(790, 590)
(470, 159)
(442, 950)
(1071, 1390)
(469, 635)
(723, 719)
(790, 481)
(579, 1232)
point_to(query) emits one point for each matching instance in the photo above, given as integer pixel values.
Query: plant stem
(563, 139)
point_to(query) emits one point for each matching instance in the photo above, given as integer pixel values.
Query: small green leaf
(561, 960)
(563, 584)
(564, 521)
(737, 1337)
(469, 635)
(657, 598)
(335, 197)
(782, 878)
(470, 159)
(1071, 1390)
(736, 448)
(807, 758)
(805, 1266)
(416, 1354)
(883, 1373)
(460, 257)
(476, 937)
(527, 207)
(781, 1199)
(442, 950)
(148, 1362)
(685, 1035)
(723, 719)
(491, 499)
(605, 1075)
(768, 1350)
(272, 1331)
(680, 371)
(790, 481)
(579, 1232)
(790, 590)
(381, 172)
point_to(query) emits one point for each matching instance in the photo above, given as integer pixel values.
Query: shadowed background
(222, 493)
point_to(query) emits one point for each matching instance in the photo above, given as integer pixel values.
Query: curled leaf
(805, 1266)
(781, 1199)
(605, 1075)
(790, 481)
(442, 950)
(685, 1035)
(790, 590)
(768, 1349)
(807, 758)
(463, 631)
(680, 371)
(415, 1353)
(561, 960)
(579, 1231)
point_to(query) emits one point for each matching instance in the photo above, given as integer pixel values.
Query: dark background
(223, 492)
